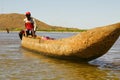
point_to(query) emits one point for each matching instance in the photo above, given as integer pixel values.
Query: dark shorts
(28, 32)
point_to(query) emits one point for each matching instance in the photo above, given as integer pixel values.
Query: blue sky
(82, 14)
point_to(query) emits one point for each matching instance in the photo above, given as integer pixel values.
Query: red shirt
(29, 24)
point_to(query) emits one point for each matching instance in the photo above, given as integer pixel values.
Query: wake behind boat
(86, 45)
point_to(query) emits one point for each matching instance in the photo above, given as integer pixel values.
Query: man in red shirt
(30, 24)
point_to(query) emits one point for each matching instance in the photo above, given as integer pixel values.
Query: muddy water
(17, 63)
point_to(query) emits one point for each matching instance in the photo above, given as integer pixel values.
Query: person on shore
(30, 25)
(7, 30)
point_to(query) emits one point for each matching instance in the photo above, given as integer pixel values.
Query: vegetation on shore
(14, 22)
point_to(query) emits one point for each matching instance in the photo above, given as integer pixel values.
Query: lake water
(17, 63)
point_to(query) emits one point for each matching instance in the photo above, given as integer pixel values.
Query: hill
(14, 21)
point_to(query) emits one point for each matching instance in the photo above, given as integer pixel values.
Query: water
(17, 63)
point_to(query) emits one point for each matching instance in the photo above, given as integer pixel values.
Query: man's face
(27, 15)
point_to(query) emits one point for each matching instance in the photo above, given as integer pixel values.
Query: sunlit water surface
(17, 63)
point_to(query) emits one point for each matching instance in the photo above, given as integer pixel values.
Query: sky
(82, 14)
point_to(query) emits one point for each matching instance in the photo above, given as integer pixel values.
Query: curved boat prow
(86, 45)
(97, 41)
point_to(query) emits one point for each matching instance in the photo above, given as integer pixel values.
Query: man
(30, 25)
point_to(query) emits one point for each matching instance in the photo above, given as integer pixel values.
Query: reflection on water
(72, 70)
(20, 64)
(111, 60)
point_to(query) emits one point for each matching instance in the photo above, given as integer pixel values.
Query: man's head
(28, 14)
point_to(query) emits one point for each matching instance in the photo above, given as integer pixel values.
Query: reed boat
(86, 45)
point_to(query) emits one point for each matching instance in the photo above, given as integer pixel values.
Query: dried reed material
(86, 45)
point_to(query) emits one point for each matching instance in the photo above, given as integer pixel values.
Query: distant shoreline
(44, 31)
(11, 24)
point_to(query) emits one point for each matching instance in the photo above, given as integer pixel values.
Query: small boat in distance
(86, 45)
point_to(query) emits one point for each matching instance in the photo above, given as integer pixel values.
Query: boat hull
(86, 45)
